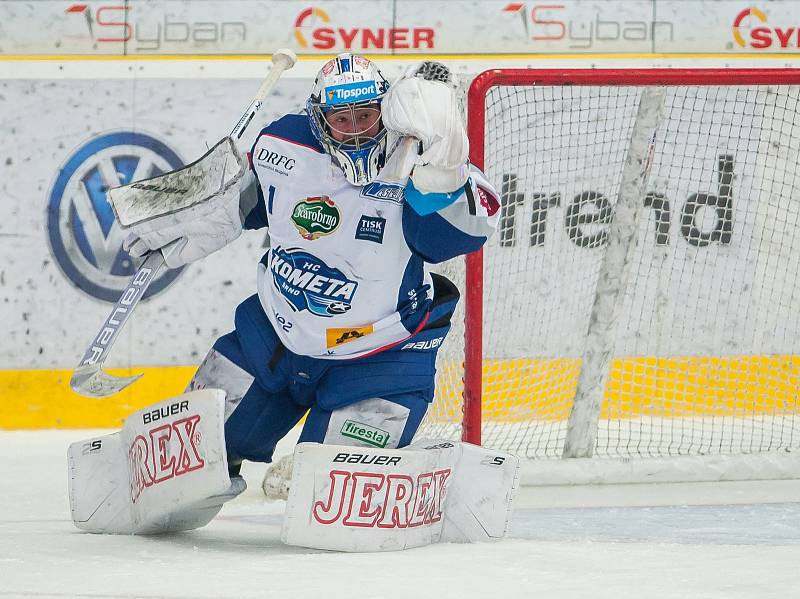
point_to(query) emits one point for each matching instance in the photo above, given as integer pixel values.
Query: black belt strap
(276, 356)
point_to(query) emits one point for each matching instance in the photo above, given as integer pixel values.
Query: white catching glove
(199, 204)
(423, 104)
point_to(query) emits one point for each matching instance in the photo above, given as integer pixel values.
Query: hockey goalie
(344, 331)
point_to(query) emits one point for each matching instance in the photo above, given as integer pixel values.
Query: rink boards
(690, 387)
(62, 260)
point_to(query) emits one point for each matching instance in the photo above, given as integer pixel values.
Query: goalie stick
(89, 378)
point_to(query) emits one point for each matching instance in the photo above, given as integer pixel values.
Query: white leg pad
(479, 500)
(365, 499)
(165, 471)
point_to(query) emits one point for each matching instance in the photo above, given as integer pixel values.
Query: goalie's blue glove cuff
(428, 203)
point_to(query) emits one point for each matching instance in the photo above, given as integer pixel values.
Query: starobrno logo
(315, 217)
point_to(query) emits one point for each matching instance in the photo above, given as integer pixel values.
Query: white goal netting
(704, 351)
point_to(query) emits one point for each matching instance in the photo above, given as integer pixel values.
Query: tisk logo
(311, 29)
(761, 35)
(85, 238)
(371, 228)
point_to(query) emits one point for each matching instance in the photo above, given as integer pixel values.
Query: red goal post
(760, 81)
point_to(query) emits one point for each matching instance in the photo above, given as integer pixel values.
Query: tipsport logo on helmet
(348, 79)
(308, 283)
(85, 238)
(350, 92)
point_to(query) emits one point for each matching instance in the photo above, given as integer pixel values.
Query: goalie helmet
(345, 114)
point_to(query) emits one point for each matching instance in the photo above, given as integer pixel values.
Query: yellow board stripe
(43, 399)
(517, 390)
(523, 390)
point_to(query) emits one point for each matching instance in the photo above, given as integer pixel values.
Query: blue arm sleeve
(440, 226)
(252, 204)
(428, 203)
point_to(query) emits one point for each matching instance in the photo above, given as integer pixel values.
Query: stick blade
(92, 381)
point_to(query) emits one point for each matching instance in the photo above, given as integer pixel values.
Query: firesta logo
(356, 38)
(763, 36)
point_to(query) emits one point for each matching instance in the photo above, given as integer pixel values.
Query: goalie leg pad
(364, 499)
(480, 496)
(165, 471)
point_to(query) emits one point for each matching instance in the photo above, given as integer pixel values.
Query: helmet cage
(359, 156)
(350, 82)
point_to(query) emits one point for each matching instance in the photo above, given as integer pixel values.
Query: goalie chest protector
(339, 280)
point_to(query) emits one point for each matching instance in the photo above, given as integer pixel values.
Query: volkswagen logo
(85, 238)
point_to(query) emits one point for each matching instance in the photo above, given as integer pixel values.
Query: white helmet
(344, 109)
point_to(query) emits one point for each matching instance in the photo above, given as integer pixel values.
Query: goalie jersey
(345, 275)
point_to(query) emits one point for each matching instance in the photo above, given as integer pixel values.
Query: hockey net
(621, 312)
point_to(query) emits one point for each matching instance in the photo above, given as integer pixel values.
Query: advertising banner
(731, 26)
(453, 27)
(62, 248)
(235, 27)
(65, 143)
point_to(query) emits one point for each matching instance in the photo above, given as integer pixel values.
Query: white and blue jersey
(345, 275)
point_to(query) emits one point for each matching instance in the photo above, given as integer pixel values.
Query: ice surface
(717, 551)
